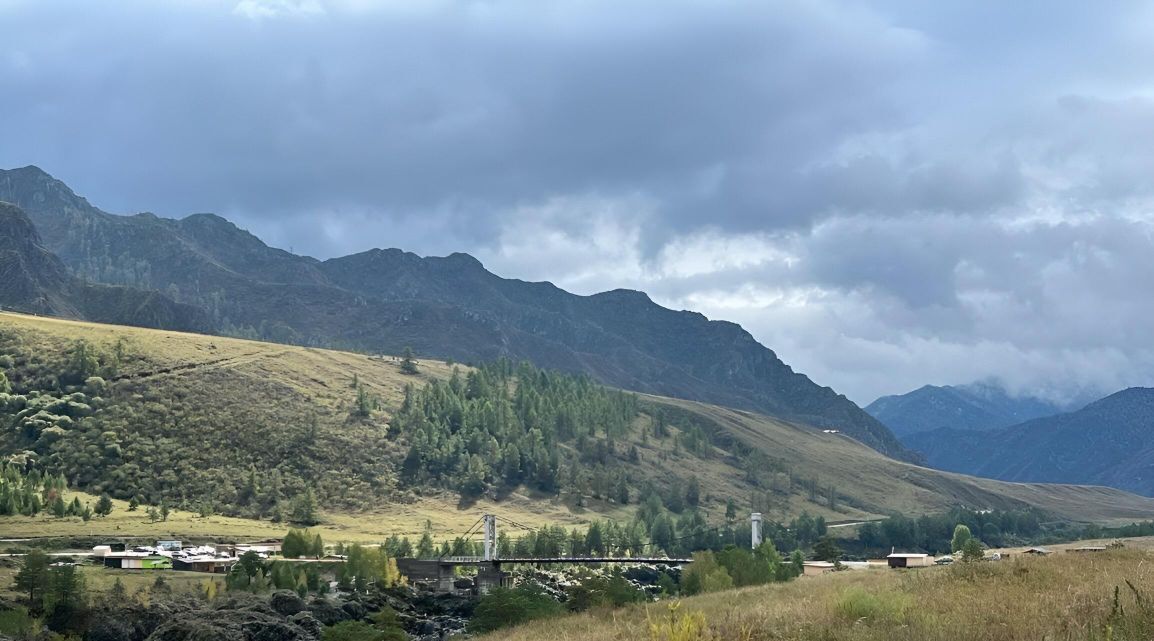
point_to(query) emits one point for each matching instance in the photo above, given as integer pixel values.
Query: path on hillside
(230, 362)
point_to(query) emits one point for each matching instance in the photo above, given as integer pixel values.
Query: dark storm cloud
(464, 108)
(869, 186)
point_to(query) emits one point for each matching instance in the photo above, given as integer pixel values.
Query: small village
(219, 559)
(172, 555)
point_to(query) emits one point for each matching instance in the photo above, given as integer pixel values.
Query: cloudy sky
(887, 193)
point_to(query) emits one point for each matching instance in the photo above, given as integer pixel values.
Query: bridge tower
(490, 529)
(755, 529)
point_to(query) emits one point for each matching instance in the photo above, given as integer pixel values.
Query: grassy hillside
(247, 428)
(1064, 596)
(875, 483)
(368, 526)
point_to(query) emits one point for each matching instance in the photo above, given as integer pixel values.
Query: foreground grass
(1064, 596)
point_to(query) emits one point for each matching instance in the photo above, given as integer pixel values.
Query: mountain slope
(1109, 442)
(385, 300)
(34, 280)
(978, 406)
(194, 419)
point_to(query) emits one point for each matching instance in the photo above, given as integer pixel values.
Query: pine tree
(305, 508)
(408, 363)
(104, 505)
(961, 536)
(33, 578)
(117, 593)
(693, 492)
(425, 545)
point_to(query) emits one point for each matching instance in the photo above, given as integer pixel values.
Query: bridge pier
(489, 577)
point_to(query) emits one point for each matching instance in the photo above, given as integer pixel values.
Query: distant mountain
(33, 280)
(978, 406)
(1109, 442)
(451, 307)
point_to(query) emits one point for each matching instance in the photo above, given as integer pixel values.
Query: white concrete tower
(490, 550)
(755, 529)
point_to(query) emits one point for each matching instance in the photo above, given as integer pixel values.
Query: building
(909, 560)
(210, 564)
(137, 561)
(266, 548)
(168, 546)
(1036, 551)
(816, 568)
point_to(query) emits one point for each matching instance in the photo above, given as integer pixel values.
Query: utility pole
(755, 529)
(490, 527)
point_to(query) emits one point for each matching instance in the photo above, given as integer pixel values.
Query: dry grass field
(368, 527)
(99, 580)
(1060, 597)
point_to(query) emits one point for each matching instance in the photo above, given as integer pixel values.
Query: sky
(888, 194)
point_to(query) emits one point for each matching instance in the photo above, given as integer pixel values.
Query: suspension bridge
(442, 571)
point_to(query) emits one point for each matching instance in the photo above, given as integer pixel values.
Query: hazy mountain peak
(1108, 442)
(981, 405)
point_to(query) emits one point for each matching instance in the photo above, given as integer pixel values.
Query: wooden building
(909, 560)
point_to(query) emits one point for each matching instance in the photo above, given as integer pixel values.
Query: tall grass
(1064, 597)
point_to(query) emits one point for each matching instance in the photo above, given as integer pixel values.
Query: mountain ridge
(1109, 442)
(449, 307)
(976, 406)
(33, 280)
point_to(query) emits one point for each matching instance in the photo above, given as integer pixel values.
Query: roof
(907, 555)
(819, 564)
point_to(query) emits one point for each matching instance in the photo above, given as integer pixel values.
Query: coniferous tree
(33, 579)
(104, 505)
(408, 363)
(693, 492)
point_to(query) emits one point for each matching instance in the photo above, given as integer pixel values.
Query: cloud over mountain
(888, 193)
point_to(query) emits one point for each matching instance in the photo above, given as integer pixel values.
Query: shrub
(858, 605)
(686, 626)
(705, 575)
(504, 607)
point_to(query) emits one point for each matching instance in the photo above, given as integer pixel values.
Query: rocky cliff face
(447, 307)
(33, 280)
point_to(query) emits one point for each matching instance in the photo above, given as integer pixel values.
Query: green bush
(705, 575)
(504, 607)
(858, 605)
